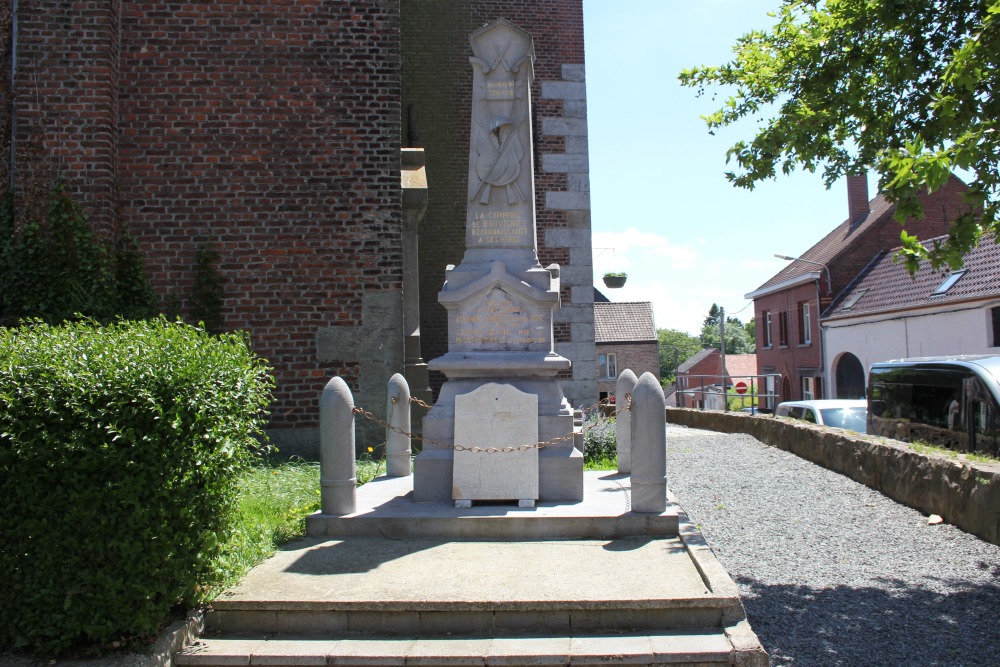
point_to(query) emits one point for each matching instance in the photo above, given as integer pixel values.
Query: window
(853, 299)
(783, 329)
(805, 324)
(765, 334)
(607, 366)
(995, 331)
(808, 389)
(948, 282)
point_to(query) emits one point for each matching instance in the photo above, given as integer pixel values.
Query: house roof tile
(741, 365)
(624, 322)
(886, 286)
(694, 360)
(833, 244)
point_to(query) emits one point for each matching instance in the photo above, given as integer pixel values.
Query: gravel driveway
(832, 572)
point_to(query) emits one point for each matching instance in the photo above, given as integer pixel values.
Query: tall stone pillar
(500, 300)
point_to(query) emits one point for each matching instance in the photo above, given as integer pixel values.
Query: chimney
(857, 197)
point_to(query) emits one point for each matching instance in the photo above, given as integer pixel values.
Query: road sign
(740, 387)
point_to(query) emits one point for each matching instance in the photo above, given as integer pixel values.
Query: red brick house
(701, 381)
(788, 306)
(625, 338)
(274, 132)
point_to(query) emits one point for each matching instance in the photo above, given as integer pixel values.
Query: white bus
(951, 402)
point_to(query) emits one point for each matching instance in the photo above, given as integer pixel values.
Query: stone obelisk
(500, 300)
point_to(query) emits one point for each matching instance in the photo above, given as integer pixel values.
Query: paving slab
(684, 648)
(380, 574)
(385, 508)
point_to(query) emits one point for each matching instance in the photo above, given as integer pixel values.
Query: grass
(275, 497)
(922, 447)
(601, 463)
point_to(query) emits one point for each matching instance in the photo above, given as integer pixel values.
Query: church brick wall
(272, 131)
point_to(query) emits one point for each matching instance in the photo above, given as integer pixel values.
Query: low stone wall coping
(964, 493)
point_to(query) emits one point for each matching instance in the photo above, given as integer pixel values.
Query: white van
(951, 402)
(837, 413)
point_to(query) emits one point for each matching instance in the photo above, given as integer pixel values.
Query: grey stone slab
(455, 622)
(690, 647)
(579, 144)
(575, 108)
(563, 163)
(580, 292)
(298, 651)
(380, 651)
(582, 332)
(239, 620)
(561, 127)
(564, 90)
(305, 621)
(574, 72)
(567, 201)
(495, 416)
(528, 651)
(622, 649)
(222, 652)
(578, 182)
(581, 255)
(383, 623)
(579, 219)
(449, 651)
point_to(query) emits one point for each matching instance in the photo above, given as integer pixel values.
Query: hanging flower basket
(615, 280)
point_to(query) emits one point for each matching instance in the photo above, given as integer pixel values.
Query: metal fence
(715, 392)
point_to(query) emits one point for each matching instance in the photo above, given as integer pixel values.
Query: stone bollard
(337, 467)
(397, 445)
(649, 447)
(623, 420)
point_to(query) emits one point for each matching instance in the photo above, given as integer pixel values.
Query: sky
(662, 209)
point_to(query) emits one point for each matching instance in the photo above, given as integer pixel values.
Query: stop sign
(740, 387)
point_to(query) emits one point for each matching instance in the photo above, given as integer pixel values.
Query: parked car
(837, 413)
(951, 402)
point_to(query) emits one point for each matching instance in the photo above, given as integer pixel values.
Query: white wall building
(887, 314)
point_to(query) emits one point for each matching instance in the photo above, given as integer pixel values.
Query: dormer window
(854, 298)
(948, 283)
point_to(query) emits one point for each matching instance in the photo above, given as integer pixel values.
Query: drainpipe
(13, 97)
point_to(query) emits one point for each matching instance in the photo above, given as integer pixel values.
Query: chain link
(487, 450)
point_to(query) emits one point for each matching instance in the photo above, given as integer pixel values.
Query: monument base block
(560, 475)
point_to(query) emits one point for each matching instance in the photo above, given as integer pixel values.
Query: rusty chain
(484, 450)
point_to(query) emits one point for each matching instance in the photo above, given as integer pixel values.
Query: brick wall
(66, 101)
(940, 208)
(437, 88)
(795, 357)
(272, 130)
(639, 357)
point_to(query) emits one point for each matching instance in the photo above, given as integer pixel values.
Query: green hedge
(118, 452)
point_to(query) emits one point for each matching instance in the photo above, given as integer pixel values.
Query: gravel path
(832, 572)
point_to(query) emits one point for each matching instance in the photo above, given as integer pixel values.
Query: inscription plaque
(499, 321)
(496, 415)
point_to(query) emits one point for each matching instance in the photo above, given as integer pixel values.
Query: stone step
(385, 509)
(660, 648)
(461, 620)
(378, 585)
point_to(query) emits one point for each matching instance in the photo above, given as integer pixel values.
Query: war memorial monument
(498, 549)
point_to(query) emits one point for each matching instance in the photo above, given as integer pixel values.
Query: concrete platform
(404, 583)
(386, 508)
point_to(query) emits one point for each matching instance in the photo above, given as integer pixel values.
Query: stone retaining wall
(964, 493)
